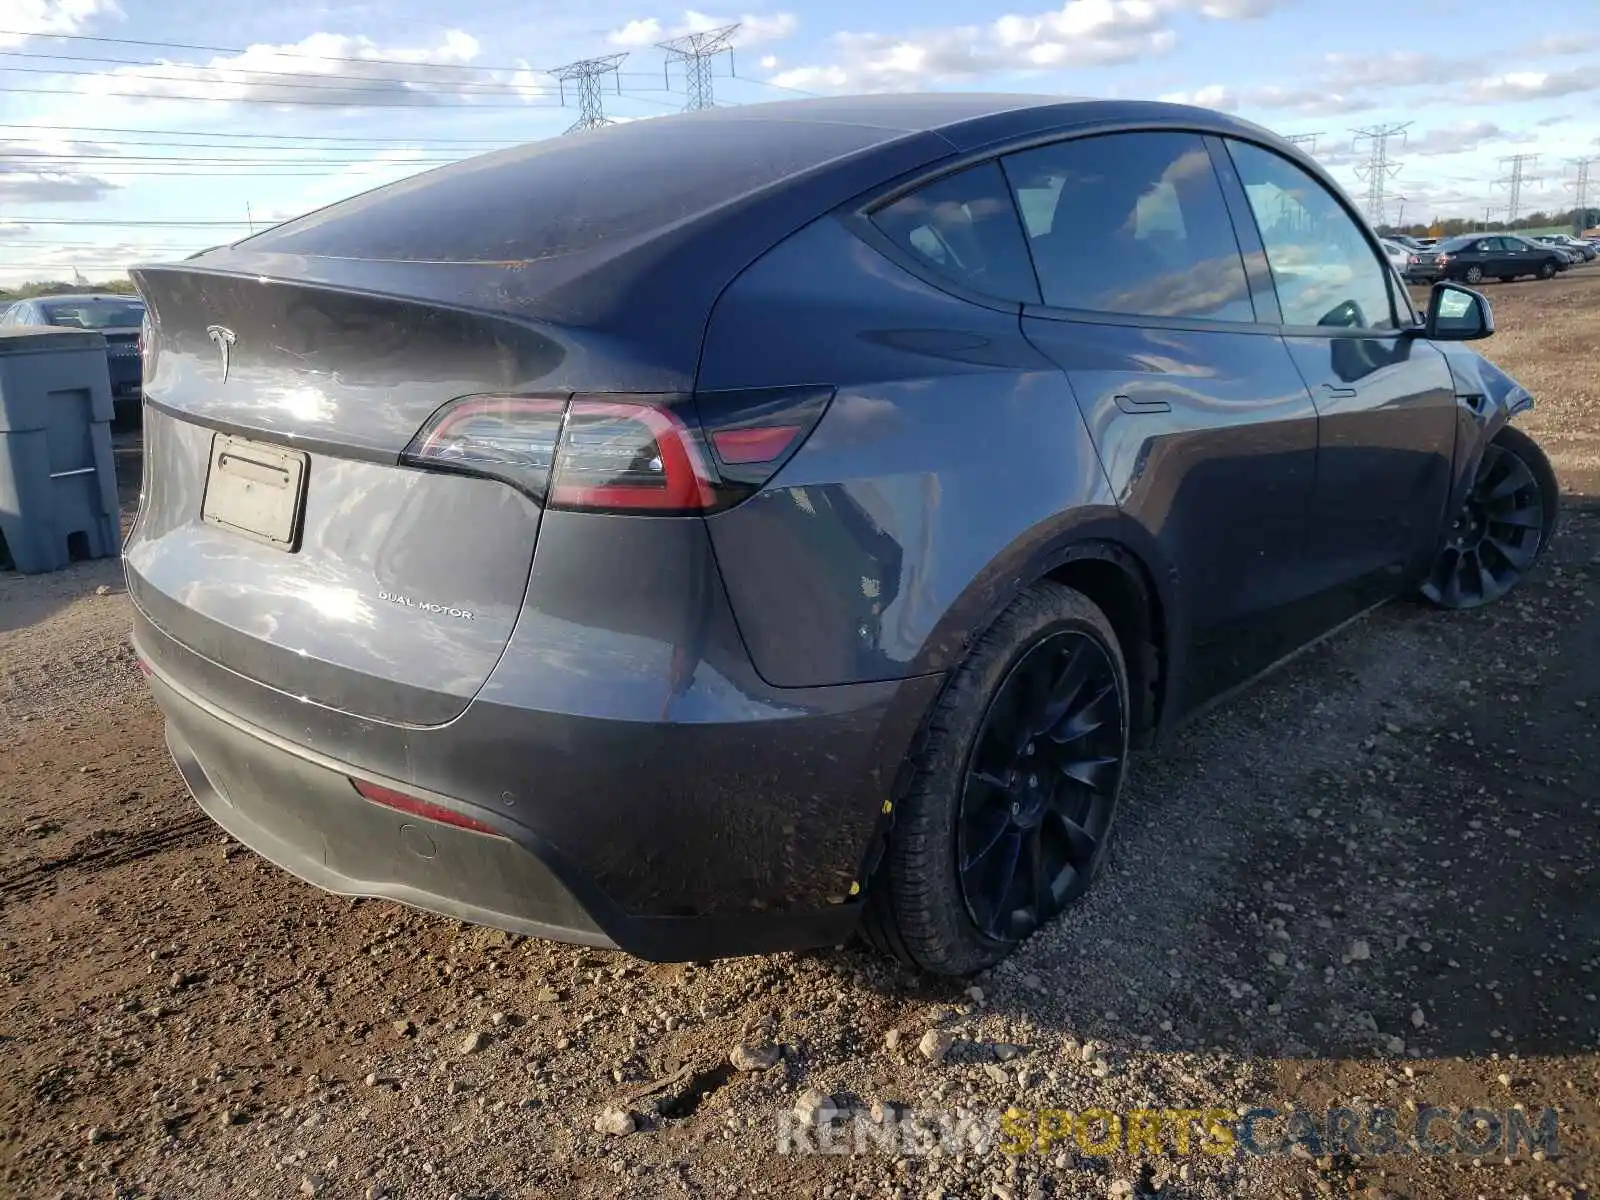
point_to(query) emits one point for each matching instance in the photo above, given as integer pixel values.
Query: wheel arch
(1115, 563)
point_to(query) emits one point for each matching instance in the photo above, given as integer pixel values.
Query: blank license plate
(255, 489)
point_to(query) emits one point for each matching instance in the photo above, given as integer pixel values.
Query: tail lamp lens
(643, 454)
(511, 436)
(627, 456)
(417, 807)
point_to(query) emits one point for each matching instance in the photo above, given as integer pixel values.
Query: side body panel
(951, 459)
(1209, 440)
(1388, 415)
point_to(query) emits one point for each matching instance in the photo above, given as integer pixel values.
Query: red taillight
(416, 807)
(1411, 260)
(625, 456)
(1442, 259)
(758, 445)
(639, 454)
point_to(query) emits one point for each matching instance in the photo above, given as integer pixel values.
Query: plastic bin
(58, 480)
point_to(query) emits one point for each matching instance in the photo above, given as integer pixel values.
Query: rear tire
(1046, 686)
(1474, 274)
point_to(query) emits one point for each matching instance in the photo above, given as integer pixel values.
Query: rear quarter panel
(950, 471)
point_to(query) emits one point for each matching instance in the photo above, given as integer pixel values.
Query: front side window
(963, 227)
(1325, 270)
(1131, 223)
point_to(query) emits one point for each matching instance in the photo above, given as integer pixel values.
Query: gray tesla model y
(722, 533)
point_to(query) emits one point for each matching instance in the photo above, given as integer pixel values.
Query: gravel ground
(1369, 881)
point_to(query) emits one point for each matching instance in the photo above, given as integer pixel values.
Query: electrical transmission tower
(1580, 188)
(588, 73)
(1400, 212)
(1379, 168)
(695, 51)
(1513, 182)
(1489, 211)
(1308, 140)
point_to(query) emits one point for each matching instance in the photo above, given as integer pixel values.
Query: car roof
(70, 296)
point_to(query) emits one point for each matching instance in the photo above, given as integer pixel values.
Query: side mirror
(1458, 314)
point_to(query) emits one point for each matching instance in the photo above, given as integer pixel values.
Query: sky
(141, 130)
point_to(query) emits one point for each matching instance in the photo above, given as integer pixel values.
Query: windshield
(94, 314)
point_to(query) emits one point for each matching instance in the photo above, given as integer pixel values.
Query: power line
(1308, 140)
(285, 100)
(1513, 182)
(695, 51)
(10, 221)
(1378, 169)
(275, 51)
(113, 41)
(352, 83)
(299, 137)
(588, 73)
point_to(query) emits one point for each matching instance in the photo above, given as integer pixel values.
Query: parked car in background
(1584, 250)
(118, 318)
(1404, 239)
(838, 519)
(1475, 257)
(1399, 255)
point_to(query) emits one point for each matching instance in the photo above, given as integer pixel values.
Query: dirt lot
(1369, 881)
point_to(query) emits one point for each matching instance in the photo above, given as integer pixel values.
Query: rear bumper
(305, 815)
(668, 841)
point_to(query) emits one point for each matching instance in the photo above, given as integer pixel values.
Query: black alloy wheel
(1041, 786)
(1474, 274)
(1500, 529)
(1008, 810)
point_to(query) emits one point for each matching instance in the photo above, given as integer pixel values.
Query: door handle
(1342, 393)
(1135, 408)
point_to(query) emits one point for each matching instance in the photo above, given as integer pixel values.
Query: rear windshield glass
(566, 194)
(94, 314)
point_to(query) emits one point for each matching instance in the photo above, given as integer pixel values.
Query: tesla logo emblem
(223, 337)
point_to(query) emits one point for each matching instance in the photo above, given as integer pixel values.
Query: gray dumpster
(58, 482)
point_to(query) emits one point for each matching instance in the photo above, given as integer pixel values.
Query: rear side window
(1131, 223)
(1326, 271)
(964, 228)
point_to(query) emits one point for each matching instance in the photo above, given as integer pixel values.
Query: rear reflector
(416, 807)
(755, 445)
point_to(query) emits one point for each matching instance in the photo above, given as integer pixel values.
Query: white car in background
(1398, 255)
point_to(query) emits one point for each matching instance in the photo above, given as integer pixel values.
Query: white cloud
(1079, 33)
(1215, 95)
(26, 18)
(1307, 102)
(332, 69)
(1236, 10)
(41, 171)
(753, 29)
(1456, 139)
(1528, 85)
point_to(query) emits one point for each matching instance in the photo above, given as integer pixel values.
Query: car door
(1205, 429)
(1385, 398)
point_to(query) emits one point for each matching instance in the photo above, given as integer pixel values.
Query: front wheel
(1010, 808)
(1474, 274)
(1503, 526)
(1546, 269)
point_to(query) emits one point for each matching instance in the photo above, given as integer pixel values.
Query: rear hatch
(280, 536)
(281, 533)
